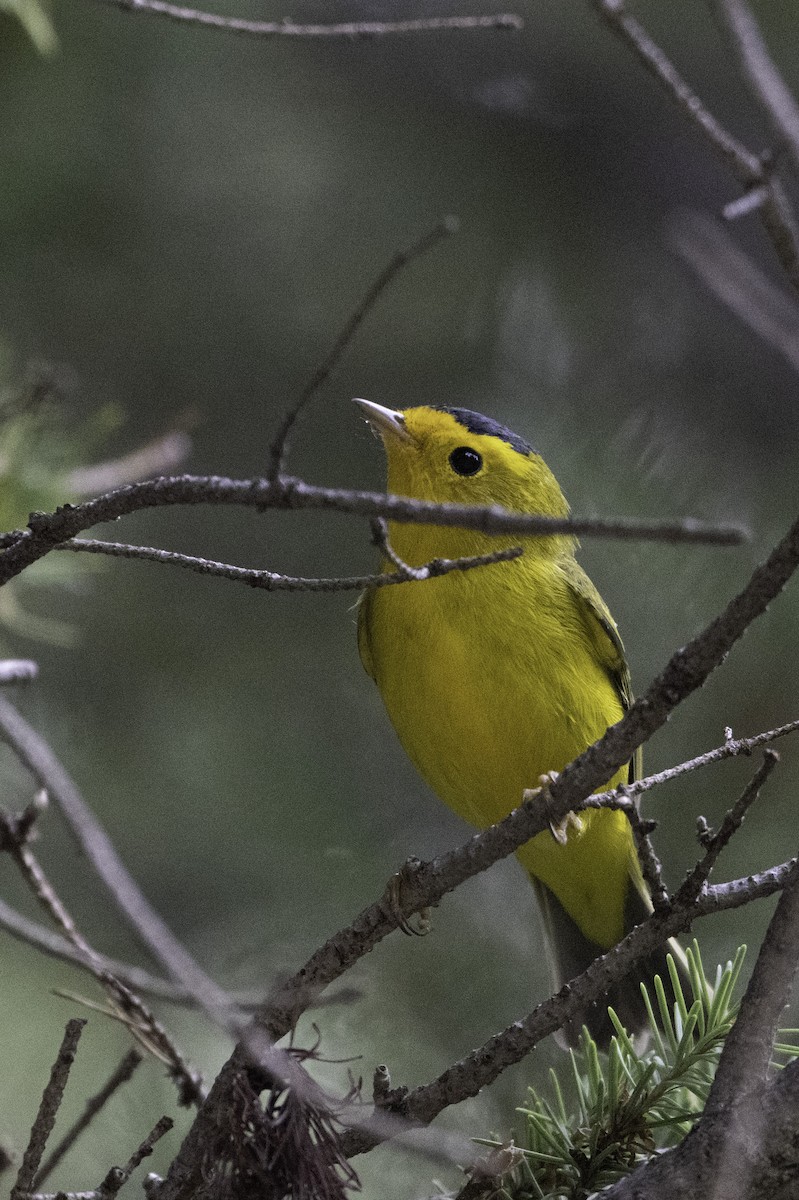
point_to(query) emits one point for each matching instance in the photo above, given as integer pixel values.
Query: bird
(497, 677)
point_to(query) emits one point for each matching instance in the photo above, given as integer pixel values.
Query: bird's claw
(559, 829)
(392, 902)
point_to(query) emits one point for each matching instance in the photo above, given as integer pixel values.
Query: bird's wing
(365, 602)
(605, 638)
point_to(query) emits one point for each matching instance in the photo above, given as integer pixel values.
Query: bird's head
(458, 456)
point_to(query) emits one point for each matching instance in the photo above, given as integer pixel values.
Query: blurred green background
(186, 220)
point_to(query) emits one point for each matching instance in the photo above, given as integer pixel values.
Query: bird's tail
(570, 952)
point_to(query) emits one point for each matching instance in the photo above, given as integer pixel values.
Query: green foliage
(35, 20)
(615, 1113)
(41, 445)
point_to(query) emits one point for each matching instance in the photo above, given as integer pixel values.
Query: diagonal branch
(775, 211)
(732, 748)
(761, 71)
(686, 671)
(733, 819)
(126, 1006)
(482, 1066)
(34, 752)
(95, 1104)
(50, 1103)
(134, 977)
(725, 1153)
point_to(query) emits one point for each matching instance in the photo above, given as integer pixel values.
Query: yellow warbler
(497, 676)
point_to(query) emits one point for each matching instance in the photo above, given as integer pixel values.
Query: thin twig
(274, 1063)
(17, 670)
(759, 67)
(45, 531)
(270, 581)
(123, 1072)
(431, 881)
(723, 1154)
(136, 978)
(401, 260)
(749, 1046)
(380, 541)
(50, 1103)
(34, 752)
(127, 1006)
(117, 1177)
(732, 748)
(482, 1066)
(343, 29)
(651, 867)
(775, 212)
(733, 819)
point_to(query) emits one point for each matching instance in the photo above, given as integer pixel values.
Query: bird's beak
(385, 422)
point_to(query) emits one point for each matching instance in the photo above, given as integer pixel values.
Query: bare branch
(17, 670)
(732, 748)
(134, 977)
(686, 671)
(714, 844)
(117, 1177)
(270, 581)
(748, 1049)
(47, 530)
(36, 755)
(401, 260)
(344, 29)
(775, 212)
(723, 1154)
(650, 863)
(764, 78)
(50, 1103)
(482, 1066)
(94, 1105)
(747, 166)
(127, 1007)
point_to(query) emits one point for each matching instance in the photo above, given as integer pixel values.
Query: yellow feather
(496, 676)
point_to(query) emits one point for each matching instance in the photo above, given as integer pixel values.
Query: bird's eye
(465, 461)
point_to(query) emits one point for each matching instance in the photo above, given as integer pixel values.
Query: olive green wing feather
(605, 637)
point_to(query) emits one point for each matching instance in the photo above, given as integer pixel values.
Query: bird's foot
(559, 829)
(392, 901)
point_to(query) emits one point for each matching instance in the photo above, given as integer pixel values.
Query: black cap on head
(475, 422)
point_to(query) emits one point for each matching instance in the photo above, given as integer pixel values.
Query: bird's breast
(489, 683)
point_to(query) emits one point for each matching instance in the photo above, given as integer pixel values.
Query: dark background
(186, 220)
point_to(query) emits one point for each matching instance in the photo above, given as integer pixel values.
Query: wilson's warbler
(496, 676)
